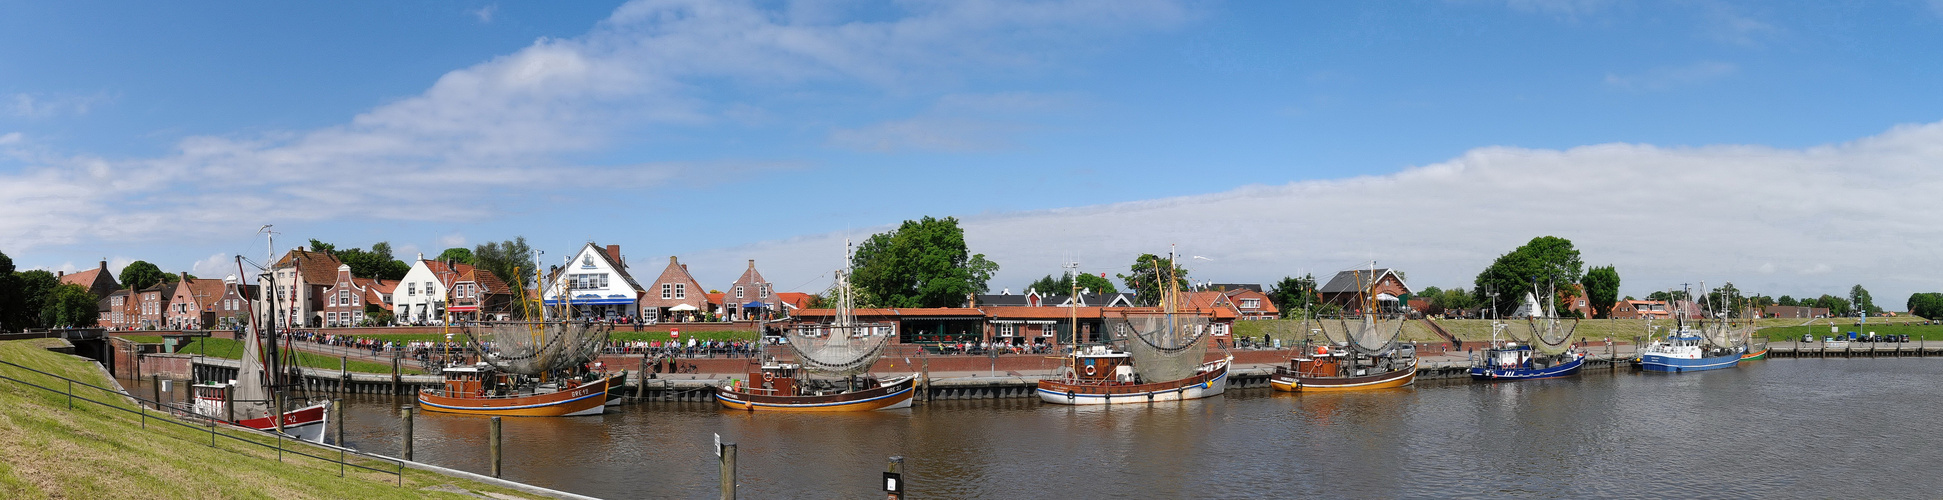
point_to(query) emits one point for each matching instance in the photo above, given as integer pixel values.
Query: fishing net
(843, 346)
(535, 347)
(1551, 335)
(1370, 335)
(1164, 346)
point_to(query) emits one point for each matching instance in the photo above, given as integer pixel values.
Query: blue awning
(754, 305)
(592, 301)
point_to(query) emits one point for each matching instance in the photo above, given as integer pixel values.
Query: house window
(738, 291)
(681, 290)
(1007, 329)
(428, 288)
(411, 289)
(667, 291)
(1251, 303)
(765, 290)
(357, 317)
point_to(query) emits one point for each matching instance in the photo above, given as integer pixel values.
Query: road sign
(674, 333)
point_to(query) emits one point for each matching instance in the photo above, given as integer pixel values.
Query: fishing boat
(1691, 347)
(831, 372)
(265, 394)
(1163, 358)
(526, 368)
(1546, 353)
(1368, 357)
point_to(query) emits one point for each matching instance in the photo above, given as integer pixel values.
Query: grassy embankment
(233, 349)
(50, 451)
(1619, 329)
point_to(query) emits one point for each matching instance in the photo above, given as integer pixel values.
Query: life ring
(1089, 370)
(768, 376)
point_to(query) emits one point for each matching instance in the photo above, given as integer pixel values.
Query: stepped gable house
(192, 305)
(232, 308)
(750, 297)
(294, 288)
(674, 294)
(1346, 289)
(595, 284)
(346, 301)
(98, 281)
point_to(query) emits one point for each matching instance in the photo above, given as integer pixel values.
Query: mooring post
(337, 417)
(406, 438)
(728, 471)
(492, 440)
(394, 377)
(155, 382)
(343, 373)
(894, 479)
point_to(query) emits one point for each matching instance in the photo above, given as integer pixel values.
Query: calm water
(1777, 428)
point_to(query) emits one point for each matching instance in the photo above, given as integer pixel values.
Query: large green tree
(1859, 298)
(69, 305)
(510, 260)
(456, 254)
(1062, 285)
(1294, 295)
(1836, 306)
(1546, 260)
(1928, 305)
(922, 263)
(374, 263)
(141, 274)
(1786, 300)
(1601, 290)
(35, 287)
(1149, 273)
(14, 314)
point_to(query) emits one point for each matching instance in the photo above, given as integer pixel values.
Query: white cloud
(507, 124)
(1669, 77)
(48, 105)
(453, 240)
(217, 266)
(955, 123)
(10, 138)
(484, 14)
(1837, 214)
(1567, 9)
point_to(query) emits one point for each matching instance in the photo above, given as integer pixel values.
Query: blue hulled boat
(1685, 351)
(1520, 362)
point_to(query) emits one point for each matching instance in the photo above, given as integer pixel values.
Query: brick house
(293, 290)
(1252, 304)
(152, 305)
(479, 295)
(233, 307)
(192, 305)
(1348, 288)
(347, 297)
(750, 297)
(120, 313)
(98, 281)
(673, 289)
(1636, 309)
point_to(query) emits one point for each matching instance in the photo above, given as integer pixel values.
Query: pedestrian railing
(172, 418)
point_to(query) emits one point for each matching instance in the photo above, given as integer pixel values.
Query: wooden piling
(405, 439)
(394, 377)
(492, 439)
(343, 374)
(728, 471)
(337, 419)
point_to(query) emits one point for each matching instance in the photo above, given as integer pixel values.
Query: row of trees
(37, 299)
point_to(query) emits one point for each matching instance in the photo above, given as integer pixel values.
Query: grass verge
(233, 349)
(50, 451)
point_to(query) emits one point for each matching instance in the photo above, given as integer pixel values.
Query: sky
(1791, 148)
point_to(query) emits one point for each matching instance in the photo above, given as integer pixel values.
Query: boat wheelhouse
(1685, 351)
(1339, 368)
(481, 390)
(1098, 374)
(788, 387)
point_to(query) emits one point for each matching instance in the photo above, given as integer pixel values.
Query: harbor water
(1796, 428)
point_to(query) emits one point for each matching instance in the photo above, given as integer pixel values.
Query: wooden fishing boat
(212, 399)
(786, 387)
(480, 390)
(1339, 369)
(1100, 375)
(266, 394)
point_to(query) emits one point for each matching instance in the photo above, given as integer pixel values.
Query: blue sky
(1785, 146)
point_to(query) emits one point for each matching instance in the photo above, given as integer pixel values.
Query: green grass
(50, 451)
(233, 349)
(1471, 330)
(1845, 325)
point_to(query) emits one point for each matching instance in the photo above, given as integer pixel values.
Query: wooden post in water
(155, 382)
(394, 377)
(337, 418)
(492, 444)
(405, 439)
(343, 373)
(728, 471)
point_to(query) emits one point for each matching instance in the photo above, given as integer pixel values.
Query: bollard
(728, 471)
(155, 382)
(492, 444)
(406, 438)
(394, 377)
(894, 478)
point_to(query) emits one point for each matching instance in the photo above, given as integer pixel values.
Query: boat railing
(180, 420)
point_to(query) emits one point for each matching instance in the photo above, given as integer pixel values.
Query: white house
(419, 298)
(595, 284)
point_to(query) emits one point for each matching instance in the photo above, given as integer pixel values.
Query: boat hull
(1565, 369)
(1756, 355)
(1212, 382)
(894, 395)
(1283, 380)
(1668, 364)
(305, 423)
(586, 399)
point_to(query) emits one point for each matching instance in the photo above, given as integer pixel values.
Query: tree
(322, 247)
(1926, 305)
(1294, 296)
(1786, 301)
(1452, 299)
(1836, 306)
(141, 274)
(922, 263)
(1725, 300)
(1601, 290)
(13, 301)
(35, 286)
(69, 305)
(1544, 260)
(1149, 271)
(455, 254)
(1668, 297)
(1088, 283)
(1860, 300)
(375, 263)
(510, 260)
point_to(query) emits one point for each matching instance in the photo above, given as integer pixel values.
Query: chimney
(185, 276)
(104, 265)
(671, 260)
(752, 263)
(421, 256)
(684, 268)
(59, 274)
(614, 253)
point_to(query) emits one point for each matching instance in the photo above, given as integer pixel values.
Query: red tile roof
(319, 268)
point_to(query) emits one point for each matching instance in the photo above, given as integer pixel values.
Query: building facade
(98, 281)
(594, 284)
(292, 292)
(750, 297)
(674, 295)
